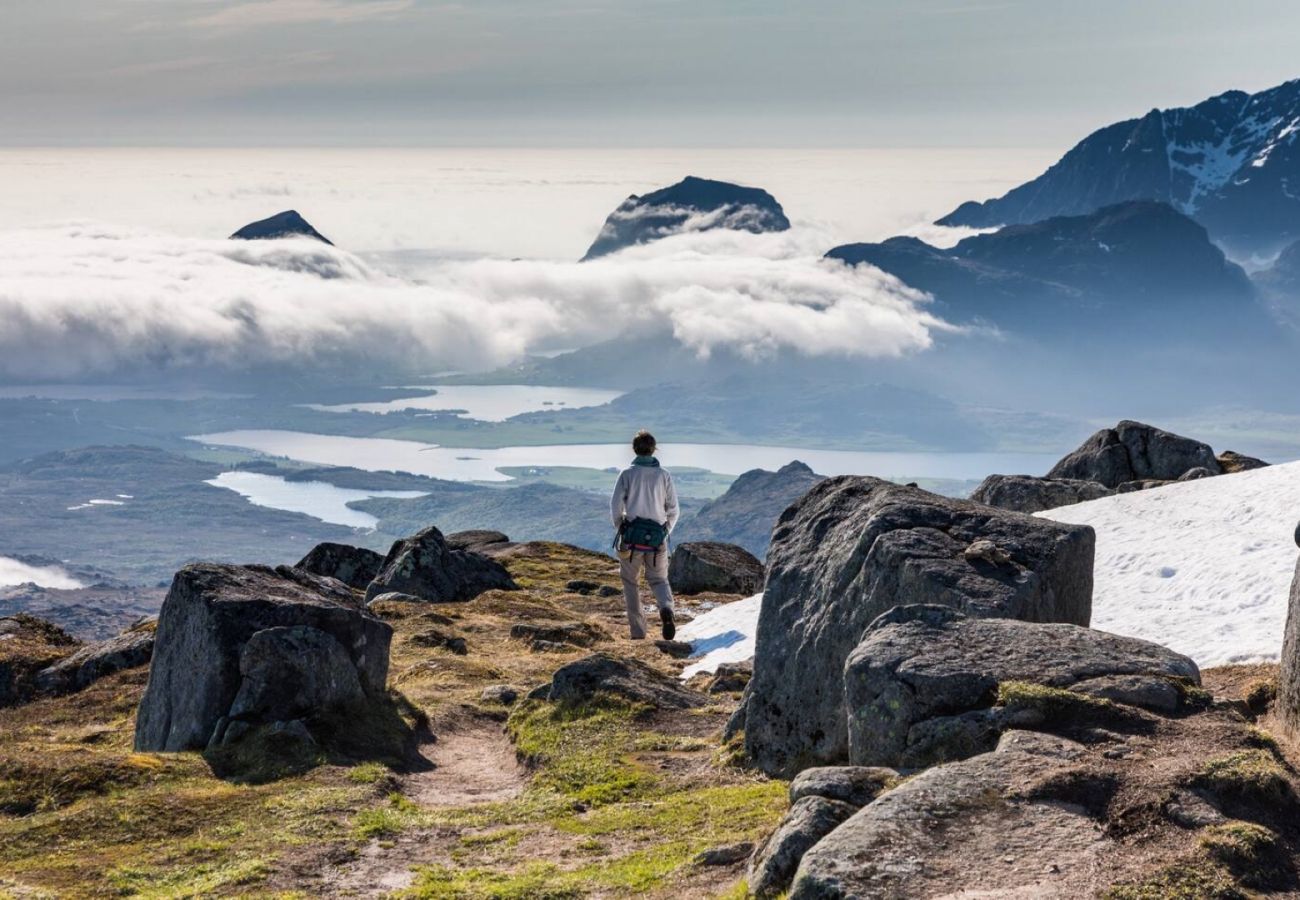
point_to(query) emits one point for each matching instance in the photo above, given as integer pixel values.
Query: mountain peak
(692, 204)
(281, 225)
(1227, 162)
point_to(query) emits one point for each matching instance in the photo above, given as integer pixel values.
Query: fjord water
(485, 402)
(462, 464)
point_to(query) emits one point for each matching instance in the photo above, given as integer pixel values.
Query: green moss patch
(1252, 776)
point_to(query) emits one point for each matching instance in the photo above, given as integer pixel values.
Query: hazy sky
(620, 72)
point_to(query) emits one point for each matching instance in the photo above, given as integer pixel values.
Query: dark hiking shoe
(670, 630)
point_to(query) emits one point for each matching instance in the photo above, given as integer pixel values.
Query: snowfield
(1203, 567)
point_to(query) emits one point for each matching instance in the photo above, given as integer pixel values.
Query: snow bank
(1203, 567)
(723, 634)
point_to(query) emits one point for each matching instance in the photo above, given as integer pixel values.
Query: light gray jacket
(644, 492)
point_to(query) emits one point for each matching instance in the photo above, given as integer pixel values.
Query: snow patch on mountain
(1203, 567)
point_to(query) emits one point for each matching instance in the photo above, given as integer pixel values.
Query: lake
(485, 402)
(461, 464)
(313, 498)
(13, 572)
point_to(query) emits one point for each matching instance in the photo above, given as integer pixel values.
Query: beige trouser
(656, 575)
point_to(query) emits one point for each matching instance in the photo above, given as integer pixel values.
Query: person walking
(644, 511)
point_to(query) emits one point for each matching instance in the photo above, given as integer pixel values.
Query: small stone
(504, 694)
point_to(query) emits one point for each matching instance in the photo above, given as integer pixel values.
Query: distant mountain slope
(153, 514)
(692, 204)
(745, 514)
(1133, 261)
(281, 225)
(1228, 162)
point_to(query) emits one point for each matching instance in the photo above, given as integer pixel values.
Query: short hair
(644, 443)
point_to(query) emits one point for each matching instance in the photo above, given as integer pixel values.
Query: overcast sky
(620, 72)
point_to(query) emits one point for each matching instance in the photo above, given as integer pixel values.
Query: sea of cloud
(85, 299)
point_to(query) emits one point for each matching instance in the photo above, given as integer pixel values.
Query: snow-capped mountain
(1231, 162)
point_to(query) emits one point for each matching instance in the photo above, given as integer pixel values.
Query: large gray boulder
(480, 540)
(426, 566)
(853, 548)
(211, 614)
(699, 566)
(288, 673)
(954, 828)
(95, 661)
(920, 670)
(354, 566)
(1028, 494)
(1132, 451)
(1288, 691)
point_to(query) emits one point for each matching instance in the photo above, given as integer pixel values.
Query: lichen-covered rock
(809, 820)
(426, 566)
(354, 566)
(601, 673)
(919, 684)
(1132, 451)
(1028, 494)
(853, 548)
(699, 566)
(211, 613)
(892, 848)
(95, 661)
(731, 676)
(504, 694)
(855, 785)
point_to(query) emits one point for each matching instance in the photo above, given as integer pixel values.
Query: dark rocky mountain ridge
(1140, 261)
(1225, 161)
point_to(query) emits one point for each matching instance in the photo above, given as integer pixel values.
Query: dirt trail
(473, 764)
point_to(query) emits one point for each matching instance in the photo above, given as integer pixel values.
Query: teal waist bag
(644, 534)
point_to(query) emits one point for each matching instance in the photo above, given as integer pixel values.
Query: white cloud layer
(80, 300)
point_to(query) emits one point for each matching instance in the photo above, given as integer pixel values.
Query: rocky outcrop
(95, 661)
(855, 785)
(281, 225)
(354, 566)
(426, 566)
(479, 540)
(1129, 457)
(920, 670)
(747, 512)
(985, 816)
(204, 677)
(855, 547)
(27, 646)
(692, 204)
(1288, 691)
(1231, 461)
(699, 566)
(1132, 451)
(1028, 494)
(632, 679)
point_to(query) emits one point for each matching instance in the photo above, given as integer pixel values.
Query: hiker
(644, 511)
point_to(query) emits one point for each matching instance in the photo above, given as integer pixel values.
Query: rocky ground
(601, 798)
(603, 794)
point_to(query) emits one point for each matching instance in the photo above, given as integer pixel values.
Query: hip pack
(644, 534)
